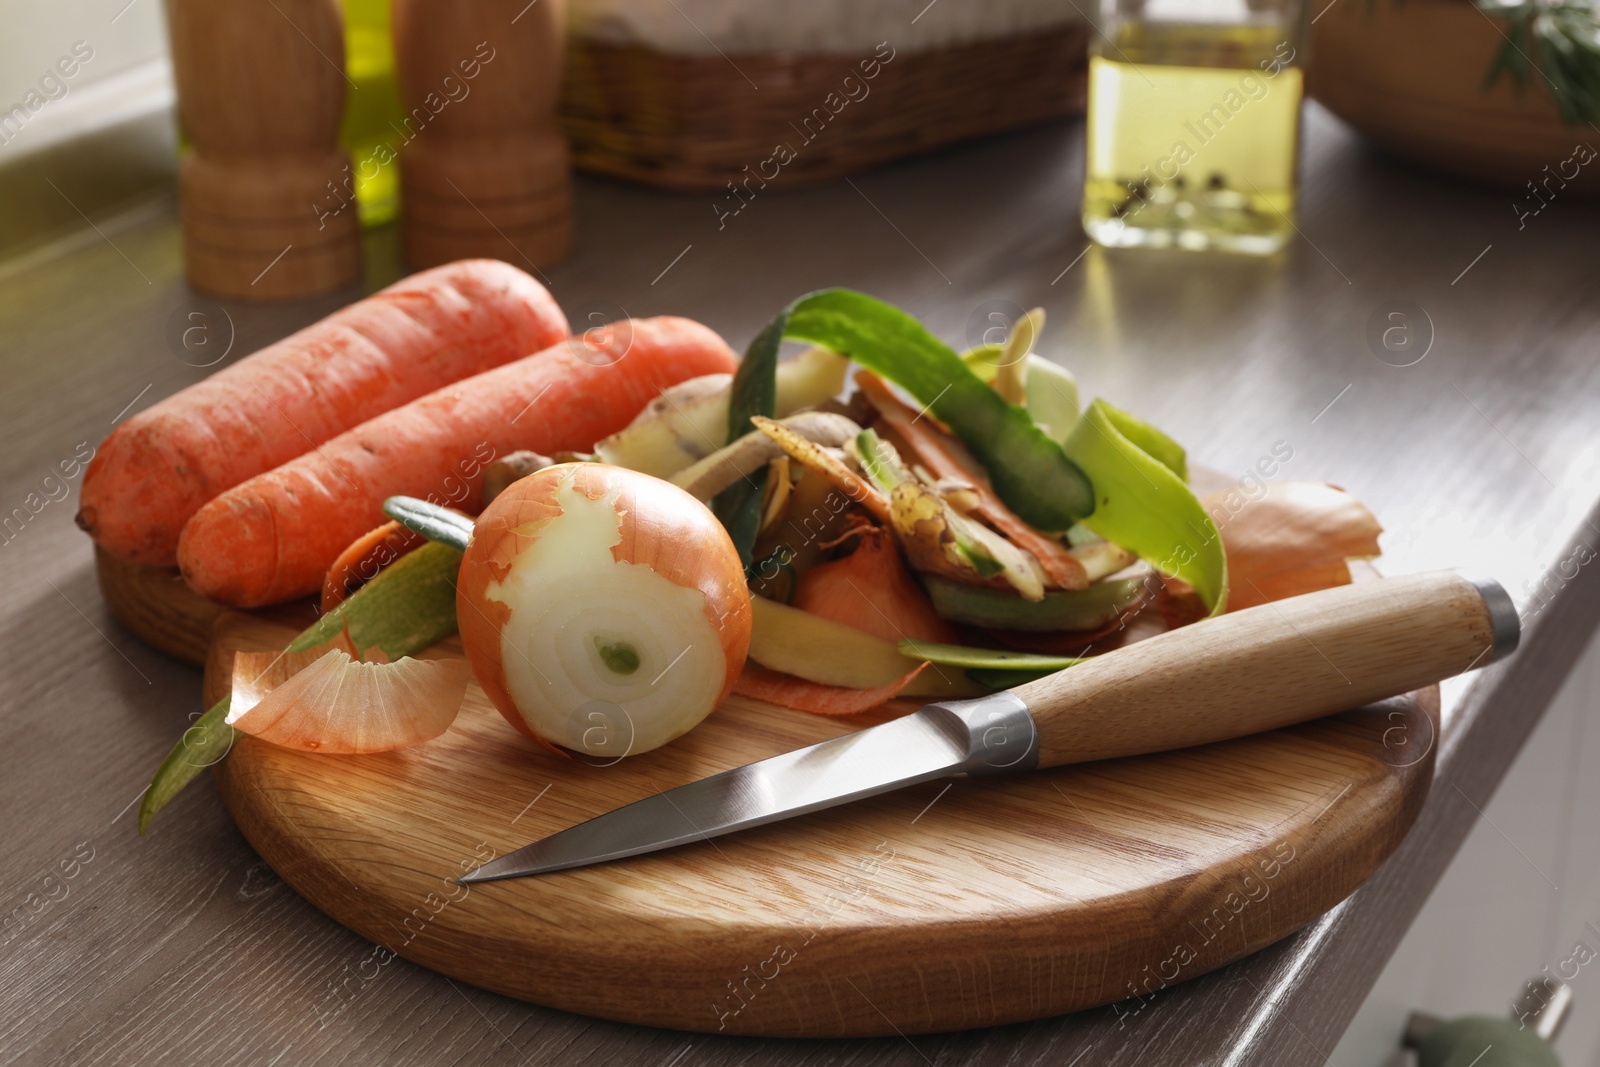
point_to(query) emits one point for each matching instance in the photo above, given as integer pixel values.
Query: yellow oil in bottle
(372, 113)
(1192, 138)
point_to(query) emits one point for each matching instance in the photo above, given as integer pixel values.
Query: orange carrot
(936, 454)
(433, 328)
(360, 563)
(273, 537)
(871, 590)
(787, 691)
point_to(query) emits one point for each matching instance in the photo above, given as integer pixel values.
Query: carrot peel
(787, 691)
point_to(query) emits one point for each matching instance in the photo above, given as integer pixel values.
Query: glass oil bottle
(372, 112)
(1193, 127)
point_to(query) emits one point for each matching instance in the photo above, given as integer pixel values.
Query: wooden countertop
(182, 946)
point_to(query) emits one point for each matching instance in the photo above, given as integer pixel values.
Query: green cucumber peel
(753, 391)
(1101, 604)
(1143, 502)
(984, 658)
(990, 667)
(407, 607)
(1030, 472)
(1052, 390)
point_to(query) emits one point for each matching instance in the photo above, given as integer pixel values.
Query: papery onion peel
(1290, 538)
(324, 700)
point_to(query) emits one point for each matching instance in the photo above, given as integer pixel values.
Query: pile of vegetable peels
(982, 501)
(953, 523)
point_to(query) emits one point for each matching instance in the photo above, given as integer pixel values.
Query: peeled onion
(323, 700)
(602, 610)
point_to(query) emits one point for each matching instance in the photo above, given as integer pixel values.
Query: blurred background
(1443, 89)
(127, 37)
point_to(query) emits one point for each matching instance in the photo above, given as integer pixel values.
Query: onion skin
(1295, 537)
(661, 527)
(285, 699)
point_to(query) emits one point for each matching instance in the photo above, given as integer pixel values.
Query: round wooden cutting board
(944, 906)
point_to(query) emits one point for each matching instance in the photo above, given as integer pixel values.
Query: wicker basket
(694, 122)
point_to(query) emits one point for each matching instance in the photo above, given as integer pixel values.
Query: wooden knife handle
(1271, 666)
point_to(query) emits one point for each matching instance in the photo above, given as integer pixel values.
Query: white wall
(36, 34)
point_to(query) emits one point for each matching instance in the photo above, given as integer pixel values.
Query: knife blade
(931, 743)
(1258, 669)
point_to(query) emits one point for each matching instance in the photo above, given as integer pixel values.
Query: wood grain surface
(157, 606)
(183, 946)
(943, 906)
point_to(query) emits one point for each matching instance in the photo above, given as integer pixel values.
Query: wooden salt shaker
(266, 194)
(484, 168)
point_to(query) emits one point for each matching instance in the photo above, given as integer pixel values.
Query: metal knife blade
(990, 734)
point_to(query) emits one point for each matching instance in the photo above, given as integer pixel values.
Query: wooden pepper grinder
(266, 194)
(484, 168)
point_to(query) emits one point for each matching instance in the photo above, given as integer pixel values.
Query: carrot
(159, 467)
(273, 537)
(363, 559)
(872, 590)
(787, 691)
(934, 452)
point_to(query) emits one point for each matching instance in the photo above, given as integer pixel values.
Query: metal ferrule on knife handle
(1259, 669)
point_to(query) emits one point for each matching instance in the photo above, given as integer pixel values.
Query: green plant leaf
(1555, 44)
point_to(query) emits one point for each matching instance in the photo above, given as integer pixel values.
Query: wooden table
(183, 947)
